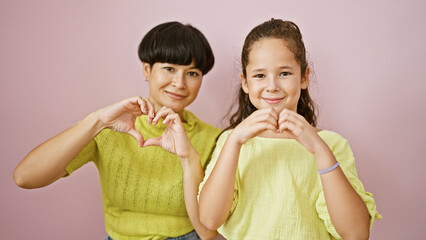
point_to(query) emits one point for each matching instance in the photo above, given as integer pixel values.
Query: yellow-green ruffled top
(278, 192)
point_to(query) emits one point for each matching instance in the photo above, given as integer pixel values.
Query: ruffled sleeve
(343, 153)
(219, 145)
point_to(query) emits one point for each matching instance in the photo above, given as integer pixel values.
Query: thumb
(137, 135)
(152, 142)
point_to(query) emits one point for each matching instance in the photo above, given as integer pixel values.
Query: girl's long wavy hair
(290, 33)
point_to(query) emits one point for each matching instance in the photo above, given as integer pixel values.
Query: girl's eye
(259, 76)
(193, 74)
(170, 69)
(283, 74)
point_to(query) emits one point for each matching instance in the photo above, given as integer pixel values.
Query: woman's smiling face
(172, 85)
(273, 76)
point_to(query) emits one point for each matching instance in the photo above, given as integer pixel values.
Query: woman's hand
(174, 139)
(121, 116)
(258, 122)
(297, 126)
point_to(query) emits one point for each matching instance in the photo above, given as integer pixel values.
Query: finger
(290, 126)
(137, 135)
(292, 117)
(132, 106)
(261, 127)
(151, 111)
(271, 112)
(293, 113)
(152, 142)
(269, 118)
(171, 117)
(143, 104)
(162, 113)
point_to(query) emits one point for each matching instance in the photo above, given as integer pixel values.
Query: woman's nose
(179, 80)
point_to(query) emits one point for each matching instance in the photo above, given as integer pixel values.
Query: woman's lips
(273, 100)
(175, 96)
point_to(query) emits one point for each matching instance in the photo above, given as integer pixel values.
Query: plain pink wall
(60, 60)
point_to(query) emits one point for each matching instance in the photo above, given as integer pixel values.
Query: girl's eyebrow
(263, 69)
(258, 70)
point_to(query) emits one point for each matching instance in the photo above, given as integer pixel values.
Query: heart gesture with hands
(258, 122)
(286, 121)
(121, 117)
(297, 126)
(174, 138)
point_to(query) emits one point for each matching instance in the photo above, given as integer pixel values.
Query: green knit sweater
(142, 188)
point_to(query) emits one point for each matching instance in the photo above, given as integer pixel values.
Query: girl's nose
(272, 84)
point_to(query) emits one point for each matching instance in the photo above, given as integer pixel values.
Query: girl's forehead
(271, 51)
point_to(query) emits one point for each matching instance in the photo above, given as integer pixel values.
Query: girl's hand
(297, 126)
(174, 138)
(121, 116)
(258, 122)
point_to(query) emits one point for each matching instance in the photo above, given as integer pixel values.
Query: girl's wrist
(234, 139)
(324, 157)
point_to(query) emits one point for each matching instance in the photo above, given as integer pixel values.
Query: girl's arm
(347, 210)
(217, 194)
(46, 163)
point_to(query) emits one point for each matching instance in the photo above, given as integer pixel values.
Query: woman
(147, 193)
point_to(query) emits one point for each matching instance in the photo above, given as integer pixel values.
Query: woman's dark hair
(176, 43)
(290, 34)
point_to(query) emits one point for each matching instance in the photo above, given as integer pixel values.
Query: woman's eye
(170, 69)
(283, 74)
(193, 74)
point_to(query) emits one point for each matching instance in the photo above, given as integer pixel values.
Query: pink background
(60, 60)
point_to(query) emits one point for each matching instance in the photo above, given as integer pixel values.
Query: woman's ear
(305, 79)
(244, 83)
(146, 70)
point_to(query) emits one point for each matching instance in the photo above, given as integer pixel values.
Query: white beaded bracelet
(329, 169)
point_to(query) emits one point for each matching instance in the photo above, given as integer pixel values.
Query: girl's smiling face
(273, 76)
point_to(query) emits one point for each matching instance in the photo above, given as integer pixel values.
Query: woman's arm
(46, 163)
(347, 210)
(192, 176)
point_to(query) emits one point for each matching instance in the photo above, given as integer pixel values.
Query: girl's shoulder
(327, 134)
(334, 140)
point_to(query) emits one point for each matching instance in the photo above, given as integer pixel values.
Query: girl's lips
(273, 100)
(175, 96)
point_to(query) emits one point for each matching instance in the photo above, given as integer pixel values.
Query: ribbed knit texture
(142, 188)
(278, 192)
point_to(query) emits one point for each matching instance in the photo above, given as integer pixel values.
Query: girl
(148, 193)
(279, 177)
